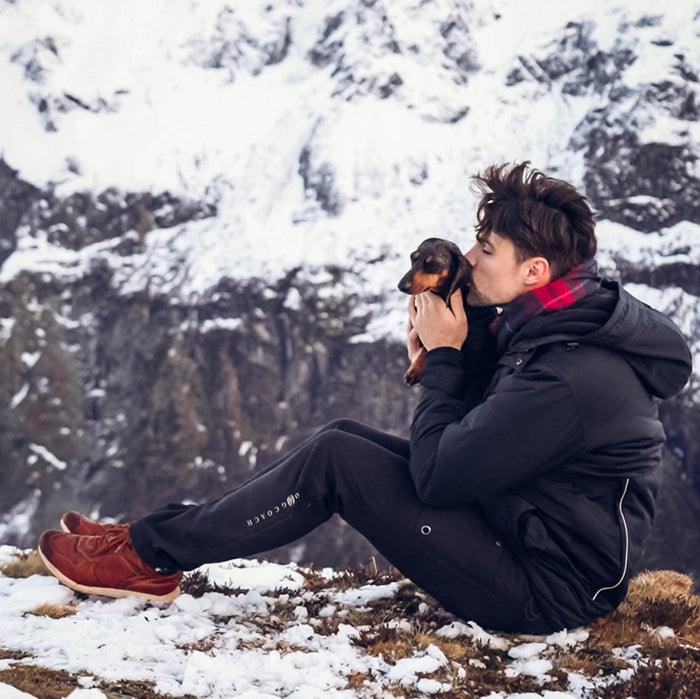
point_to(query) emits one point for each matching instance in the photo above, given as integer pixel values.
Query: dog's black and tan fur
(439, 266)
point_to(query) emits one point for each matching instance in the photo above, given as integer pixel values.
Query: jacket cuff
(446, 370)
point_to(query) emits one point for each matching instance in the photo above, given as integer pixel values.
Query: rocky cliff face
(118, 403)
(133, 376)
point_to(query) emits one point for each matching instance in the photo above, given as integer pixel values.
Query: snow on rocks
(254, 575)
(527, 660)
(365, 594)
(21, 596)
(475, 632)
(566, 638)
(9, 692)
(406, 670)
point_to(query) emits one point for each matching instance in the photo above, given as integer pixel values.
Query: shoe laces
(108, 528)
(113, 541)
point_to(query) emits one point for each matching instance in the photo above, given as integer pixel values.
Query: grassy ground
(658, 624)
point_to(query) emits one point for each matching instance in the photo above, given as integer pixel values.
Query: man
(525, 493)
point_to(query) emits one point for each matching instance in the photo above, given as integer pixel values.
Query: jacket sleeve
(463, 451)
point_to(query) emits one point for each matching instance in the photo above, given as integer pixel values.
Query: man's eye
(486, 252)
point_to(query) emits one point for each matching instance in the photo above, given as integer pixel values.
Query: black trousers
(361, 474)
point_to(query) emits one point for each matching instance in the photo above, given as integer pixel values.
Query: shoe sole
(107, 591)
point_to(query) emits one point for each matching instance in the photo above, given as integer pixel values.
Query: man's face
(497, 276)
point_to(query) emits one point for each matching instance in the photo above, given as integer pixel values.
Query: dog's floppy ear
(461, 278)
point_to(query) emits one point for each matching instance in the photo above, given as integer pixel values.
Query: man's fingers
(428, 300)
(422, 300)
(413, 344)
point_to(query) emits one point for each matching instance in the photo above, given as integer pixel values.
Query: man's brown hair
(540, 215)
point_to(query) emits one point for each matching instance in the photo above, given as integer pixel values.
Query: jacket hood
(649, 341)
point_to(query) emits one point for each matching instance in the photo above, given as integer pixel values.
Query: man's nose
(471, 255)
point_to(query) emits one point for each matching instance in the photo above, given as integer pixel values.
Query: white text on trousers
(289, 502)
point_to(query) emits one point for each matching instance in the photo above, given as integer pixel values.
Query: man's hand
(435, 324)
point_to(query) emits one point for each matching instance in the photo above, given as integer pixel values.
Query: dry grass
(351, 579)
(392, 644)
(205, 645)
(40, 682)
(44, 683)
(6, 654)
(667, 678)
(655, 599)
(24, 565)
(55, 611)
(197, 584)
(590, 662)
(357, 680)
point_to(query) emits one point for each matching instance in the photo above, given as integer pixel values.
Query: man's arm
(463, 447)
(527, 425)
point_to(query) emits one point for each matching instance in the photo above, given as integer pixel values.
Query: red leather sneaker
(75, 523)
(105, 565)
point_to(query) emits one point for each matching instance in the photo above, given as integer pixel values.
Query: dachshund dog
(438, 266)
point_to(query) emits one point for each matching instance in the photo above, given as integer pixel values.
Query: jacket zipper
(627, 544)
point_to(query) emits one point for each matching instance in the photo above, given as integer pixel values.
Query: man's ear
(538, 272)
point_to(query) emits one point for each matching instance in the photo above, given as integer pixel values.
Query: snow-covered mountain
(206, 208)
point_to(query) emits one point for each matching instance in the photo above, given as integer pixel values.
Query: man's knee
(343, 424)
(328, 439)
(336, 450)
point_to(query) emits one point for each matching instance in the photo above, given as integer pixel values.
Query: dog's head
(439, 266)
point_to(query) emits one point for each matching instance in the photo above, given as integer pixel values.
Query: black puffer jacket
(561, 451)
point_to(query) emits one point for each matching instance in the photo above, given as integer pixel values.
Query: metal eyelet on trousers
(426, 529)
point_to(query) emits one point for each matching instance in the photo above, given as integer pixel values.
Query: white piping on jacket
(627, 544)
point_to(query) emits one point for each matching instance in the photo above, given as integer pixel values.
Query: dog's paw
(412, 377)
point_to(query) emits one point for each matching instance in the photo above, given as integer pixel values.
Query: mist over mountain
(206, 208)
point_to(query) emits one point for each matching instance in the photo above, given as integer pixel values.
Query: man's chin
(478, 300)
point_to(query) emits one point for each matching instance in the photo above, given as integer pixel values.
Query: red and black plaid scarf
(578, 282)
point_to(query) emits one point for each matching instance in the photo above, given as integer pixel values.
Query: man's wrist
(445, 344)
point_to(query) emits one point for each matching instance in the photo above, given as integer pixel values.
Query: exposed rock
(34, 55)
(318, 182)
(120, 404)
(81, 220)
(682, 274)
(639, 169)
(236, 44)
(16, 197)
(646, 186)
(576, 61)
